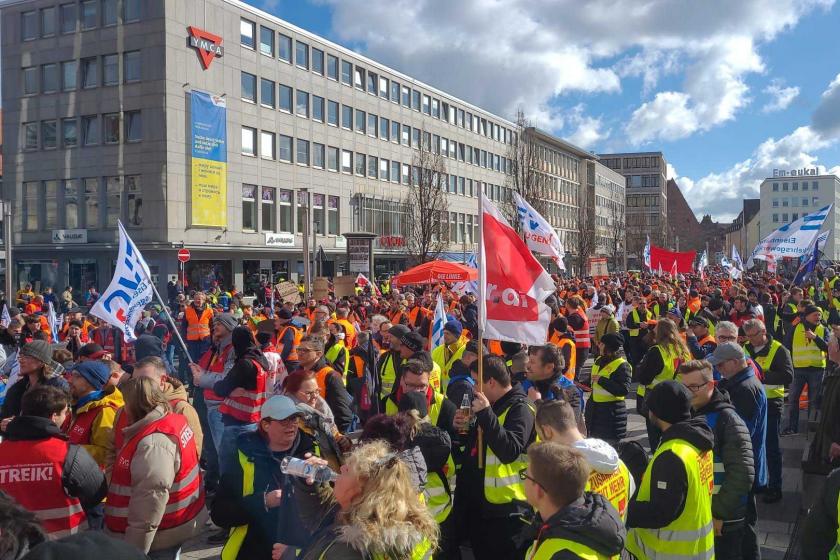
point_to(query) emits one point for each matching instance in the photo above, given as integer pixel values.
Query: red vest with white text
(582, 337)
(246, 408)
(214, 362)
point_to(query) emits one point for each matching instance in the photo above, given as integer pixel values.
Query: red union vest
(106, 339)
(246, 408)
(186, 495)
(214, 362)
(122, 422)
(582, 337)
(80, 428)
(30, 472)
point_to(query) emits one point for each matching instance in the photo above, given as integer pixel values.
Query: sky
(728, 91)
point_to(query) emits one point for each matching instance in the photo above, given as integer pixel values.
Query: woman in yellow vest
(606, 412)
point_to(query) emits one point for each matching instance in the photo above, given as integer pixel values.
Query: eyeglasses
(310, 394)
(726, 338)
(523, 475)
(695, 388)
(305, 350)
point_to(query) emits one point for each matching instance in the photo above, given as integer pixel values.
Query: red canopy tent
(436, 271)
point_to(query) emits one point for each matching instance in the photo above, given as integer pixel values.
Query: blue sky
(727, 90)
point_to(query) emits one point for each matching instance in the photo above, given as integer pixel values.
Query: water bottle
(300, 468)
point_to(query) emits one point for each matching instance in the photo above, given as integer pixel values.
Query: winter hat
(414, 401)
(413, 341)
(284, 314)
(95, 372)
(670, 401)
(811, 309)
(612, 341)
(41, 350)
(454, 326)
(227, 320)
(472, 348)
(92, 351)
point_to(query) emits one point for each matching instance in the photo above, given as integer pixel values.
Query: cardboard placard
(320, 288)
(289, 292)
(344, 286)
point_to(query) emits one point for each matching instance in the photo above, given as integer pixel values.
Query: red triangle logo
(208, 45)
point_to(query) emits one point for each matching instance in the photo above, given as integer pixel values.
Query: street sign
(183, 255)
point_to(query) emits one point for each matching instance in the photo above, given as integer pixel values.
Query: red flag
(664, 257)
(513, 282)
(674, 270)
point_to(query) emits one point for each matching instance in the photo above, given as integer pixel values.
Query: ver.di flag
(793, 239)
(438, 323)
(129, 292)
(513, 283)
(539, 234)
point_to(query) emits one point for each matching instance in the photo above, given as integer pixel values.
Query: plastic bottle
(466, 411)
(300, 468)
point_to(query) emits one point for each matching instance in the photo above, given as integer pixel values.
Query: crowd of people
(333, 429)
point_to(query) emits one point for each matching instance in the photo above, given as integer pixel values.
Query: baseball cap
(726, 351)
(279, 407)
(92, 351)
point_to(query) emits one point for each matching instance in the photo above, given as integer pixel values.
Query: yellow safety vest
(423, 551)
(635, 314)
(391, 408)
(691, 535)
(764, 362)
(614, 486)
(599, 394)
(334, 352)
(501, 480)
(389, 374)
(439, 358)
(669, 371)
(546, 550)
(806, 353)
(835, 552)
(237, 534)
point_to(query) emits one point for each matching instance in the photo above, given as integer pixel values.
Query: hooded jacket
(101, 446)
(747, 396)
(733, 449)
(669, 484)
(589, 521)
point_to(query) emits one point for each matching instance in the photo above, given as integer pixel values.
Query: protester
(330, 383)
(808, 344)
(606, 412)
(545, 380)
(36, 368)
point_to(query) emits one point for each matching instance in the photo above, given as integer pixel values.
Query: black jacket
(733, 449)
(81, 476)
(337, 397)
(819, 534)
(589, 521)
(608, 421)
(14, 394)
(650, 366)
(780, 371)
(668, 480)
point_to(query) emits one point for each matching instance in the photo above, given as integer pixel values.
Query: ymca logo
(209, 46)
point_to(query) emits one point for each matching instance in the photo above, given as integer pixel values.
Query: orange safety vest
(106, 338)
(214, 362)
(31, 473)
(186, 494)
(582, 338)
(321, 379)
(495, 347)
(198, 328)
(293, 355)
(569, 370)
(246, 408)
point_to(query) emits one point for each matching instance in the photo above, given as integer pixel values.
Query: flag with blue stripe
(795, 239)
(5, 318)
(808, 266)
(438, 323)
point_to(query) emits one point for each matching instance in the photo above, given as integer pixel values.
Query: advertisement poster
(209, 160)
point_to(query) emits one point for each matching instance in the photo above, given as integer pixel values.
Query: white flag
(5, 318)
(53, 322)
(129, 292)
(737, 264)
(793, 239)
(539, 235)
(438, 323)
(462, 288)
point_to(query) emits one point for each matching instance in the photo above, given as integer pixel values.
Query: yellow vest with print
(599, 394)
(764, 362)
(805, 352)
(501, 480)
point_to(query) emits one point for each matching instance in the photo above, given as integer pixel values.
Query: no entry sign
(183, 255)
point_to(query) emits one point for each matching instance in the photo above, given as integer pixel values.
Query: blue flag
(808, 266)
(438, 323)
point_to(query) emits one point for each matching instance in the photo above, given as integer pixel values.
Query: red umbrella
(436, 271)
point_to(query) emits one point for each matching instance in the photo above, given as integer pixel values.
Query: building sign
(209, 160)
(597, 267)
(359, 252)
(207, 45)
(279, 239)
(62, 236)
(810, 171)
(389, 242)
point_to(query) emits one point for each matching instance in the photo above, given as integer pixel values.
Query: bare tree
(586, 238)
(617, 233)
(522, 174)
(426, 234)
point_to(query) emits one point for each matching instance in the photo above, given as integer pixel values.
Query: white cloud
(780, 97)
(826, 117)
(667, 116)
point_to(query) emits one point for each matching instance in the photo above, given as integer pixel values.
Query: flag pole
(482, 316)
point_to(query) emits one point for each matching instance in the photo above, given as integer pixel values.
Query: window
(285, 201)
(30, 205)
(318, 155)
(795, 216)
(395, 92)
(302, 214)
(415, 100)
(405, 173)
(332, 215)
(51, 204)
(347, 117)
(815, 185)
(775, 187)
(133, 126)
(111, 128)
(360, 164)
(406, 96)
(775, 203)
(267, 41)
(784, 188)
(134, 199)
(302, 151)
(249, 87)
(249, 141)
(249, 207)
(302, 104)
(372, 83)
(785, 202)
(804, 202)
(384, 128)
(68, 75)
(373, 167)
(406, 135)
(67, 13)
(48, 22)
(360, 121)
(302, 55)
(775, 218)
(285, 150)
(71, 204)
(395, 132)
(346, 161)
(90, 72)
(131, 11)
(384, 168)
(89, 16)
(804, 185)
(49, 78)
(372, 124)
(30, 136)
(427, 105)
(285, 101)
(318, 61)
(30, 80)
(785, 218)
(332, 158)
(246, 33)
(332, 113)
(48, 134)
(267, 145)
(415, 138)
(318, 108)
(318, 214)
(109, 12)
(29, 25)
(395, 172)
(110, 70)
(284, 48)
(436, 108)
(69, 133)
(795, 185)
(383, 87)
(266, 93)
(359, 78)
(332, 67)
(131, 66)
(91, 202)
(113, 190)
(268, 209)
(90, 130)
(346, 73)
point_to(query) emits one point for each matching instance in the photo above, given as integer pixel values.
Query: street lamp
(6, 210)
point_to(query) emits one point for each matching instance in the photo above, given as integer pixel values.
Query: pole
(307, 274)
(7, 238)
(168, 316)
(482, 317)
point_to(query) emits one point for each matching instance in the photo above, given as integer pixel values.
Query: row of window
(796, 201)
(642, 201)
(70, 16)
(88, 130)
(313, 59)
(91, 203)
(86, 73)
(643, 180)
(276, 213)
(785, 218)
(556, 162)
(815, 186)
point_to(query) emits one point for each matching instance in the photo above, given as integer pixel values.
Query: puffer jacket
(732, 449)
(608, 420)
(101, 446)
(819, 534)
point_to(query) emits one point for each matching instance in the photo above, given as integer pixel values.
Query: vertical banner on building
(209, 160)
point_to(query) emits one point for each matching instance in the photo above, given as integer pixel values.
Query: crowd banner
(513, 283)
(665, 259)
(209, 160)
(793, 239)
(540, 236)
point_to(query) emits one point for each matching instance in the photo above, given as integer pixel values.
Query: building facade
(789, 195)
(745, 229)
(98, 128)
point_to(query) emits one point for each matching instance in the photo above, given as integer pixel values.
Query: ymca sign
(209, 46)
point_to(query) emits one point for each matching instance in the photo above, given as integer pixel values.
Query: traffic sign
(183, 255)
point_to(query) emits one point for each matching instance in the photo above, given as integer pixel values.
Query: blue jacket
(746, 393)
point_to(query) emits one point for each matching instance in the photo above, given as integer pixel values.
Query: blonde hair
(142, 395)
(388, 499)
(668, 337)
